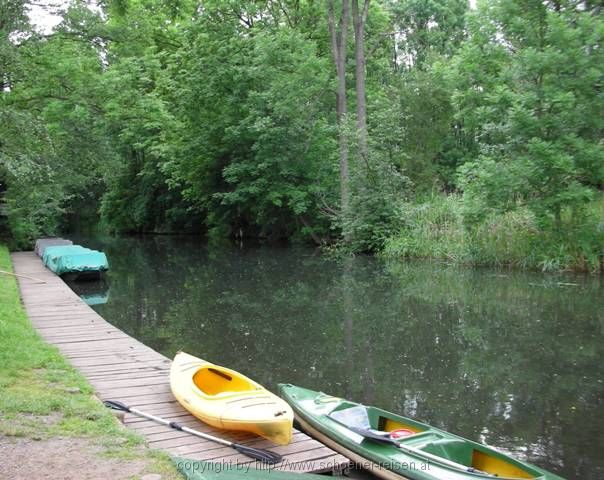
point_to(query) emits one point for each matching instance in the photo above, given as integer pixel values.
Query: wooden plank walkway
(122, 368)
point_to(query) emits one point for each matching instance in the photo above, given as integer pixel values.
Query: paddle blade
(115, 405)
(375, 437)
(262, 455)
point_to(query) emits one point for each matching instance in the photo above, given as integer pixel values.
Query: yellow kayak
(226, 399)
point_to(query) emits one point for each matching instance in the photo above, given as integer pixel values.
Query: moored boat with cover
(396, 447)
(75, 261)
(43, 243)
(226, 399)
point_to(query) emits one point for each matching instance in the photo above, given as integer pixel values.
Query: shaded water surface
(513, 360)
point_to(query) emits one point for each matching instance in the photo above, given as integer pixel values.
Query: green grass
(35, 384)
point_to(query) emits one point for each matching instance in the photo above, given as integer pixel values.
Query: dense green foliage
(220, 117)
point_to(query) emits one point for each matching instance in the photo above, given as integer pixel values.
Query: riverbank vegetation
(437, 228)
(410, 128)
(44, 399)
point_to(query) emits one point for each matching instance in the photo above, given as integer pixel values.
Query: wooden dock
(120, 367)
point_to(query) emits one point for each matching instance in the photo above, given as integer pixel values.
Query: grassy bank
(42, 398)
(435, 229)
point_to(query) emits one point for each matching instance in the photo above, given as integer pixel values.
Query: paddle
(262, 455)
(22, 276)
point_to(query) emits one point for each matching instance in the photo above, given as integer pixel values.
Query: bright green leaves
(530, 103)
(532, 114)
(285, 121)
(258, 144)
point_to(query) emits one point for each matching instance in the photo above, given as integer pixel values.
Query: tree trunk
(359, 19)
(339, 40)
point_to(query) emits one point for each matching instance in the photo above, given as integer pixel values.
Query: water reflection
(510, 359)
(92, 292)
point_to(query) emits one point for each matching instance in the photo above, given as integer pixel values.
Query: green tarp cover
(43, 243)
(231, 470)
(74, 258)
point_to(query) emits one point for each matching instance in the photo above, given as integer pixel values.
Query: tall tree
(339, 42)
(359, 19)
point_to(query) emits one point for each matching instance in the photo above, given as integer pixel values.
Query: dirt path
(62, 459)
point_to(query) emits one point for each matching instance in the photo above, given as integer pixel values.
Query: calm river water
(511, 359)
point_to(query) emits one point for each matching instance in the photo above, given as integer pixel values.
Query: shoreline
(120, 367)
(47, 406)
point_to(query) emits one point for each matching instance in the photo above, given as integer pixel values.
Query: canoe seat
(457, 451)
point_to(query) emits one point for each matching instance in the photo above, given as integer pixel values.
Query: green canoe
(394, 447)
(198, 470)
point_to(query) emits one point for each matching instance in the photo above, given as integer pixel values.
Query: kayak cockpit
(213, 380)
(469, 454)
(376, 420)
(380, 426)
(394, 424)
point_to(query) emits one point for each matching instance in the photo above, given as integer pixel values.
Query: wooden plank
(107, 363)
(65, 322)
(106, 347)
(146, 390)
(128, 374)
(87, 339)
(132, 382)
(75, 328)
(135, 421)
(120, 367)
(171, 444)
(62, 337)
(135, 355)
(225, 453)
(122, 374)
(145, 400)
(168, 410)
(205, 446)
(49, 318)
(319, 460)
